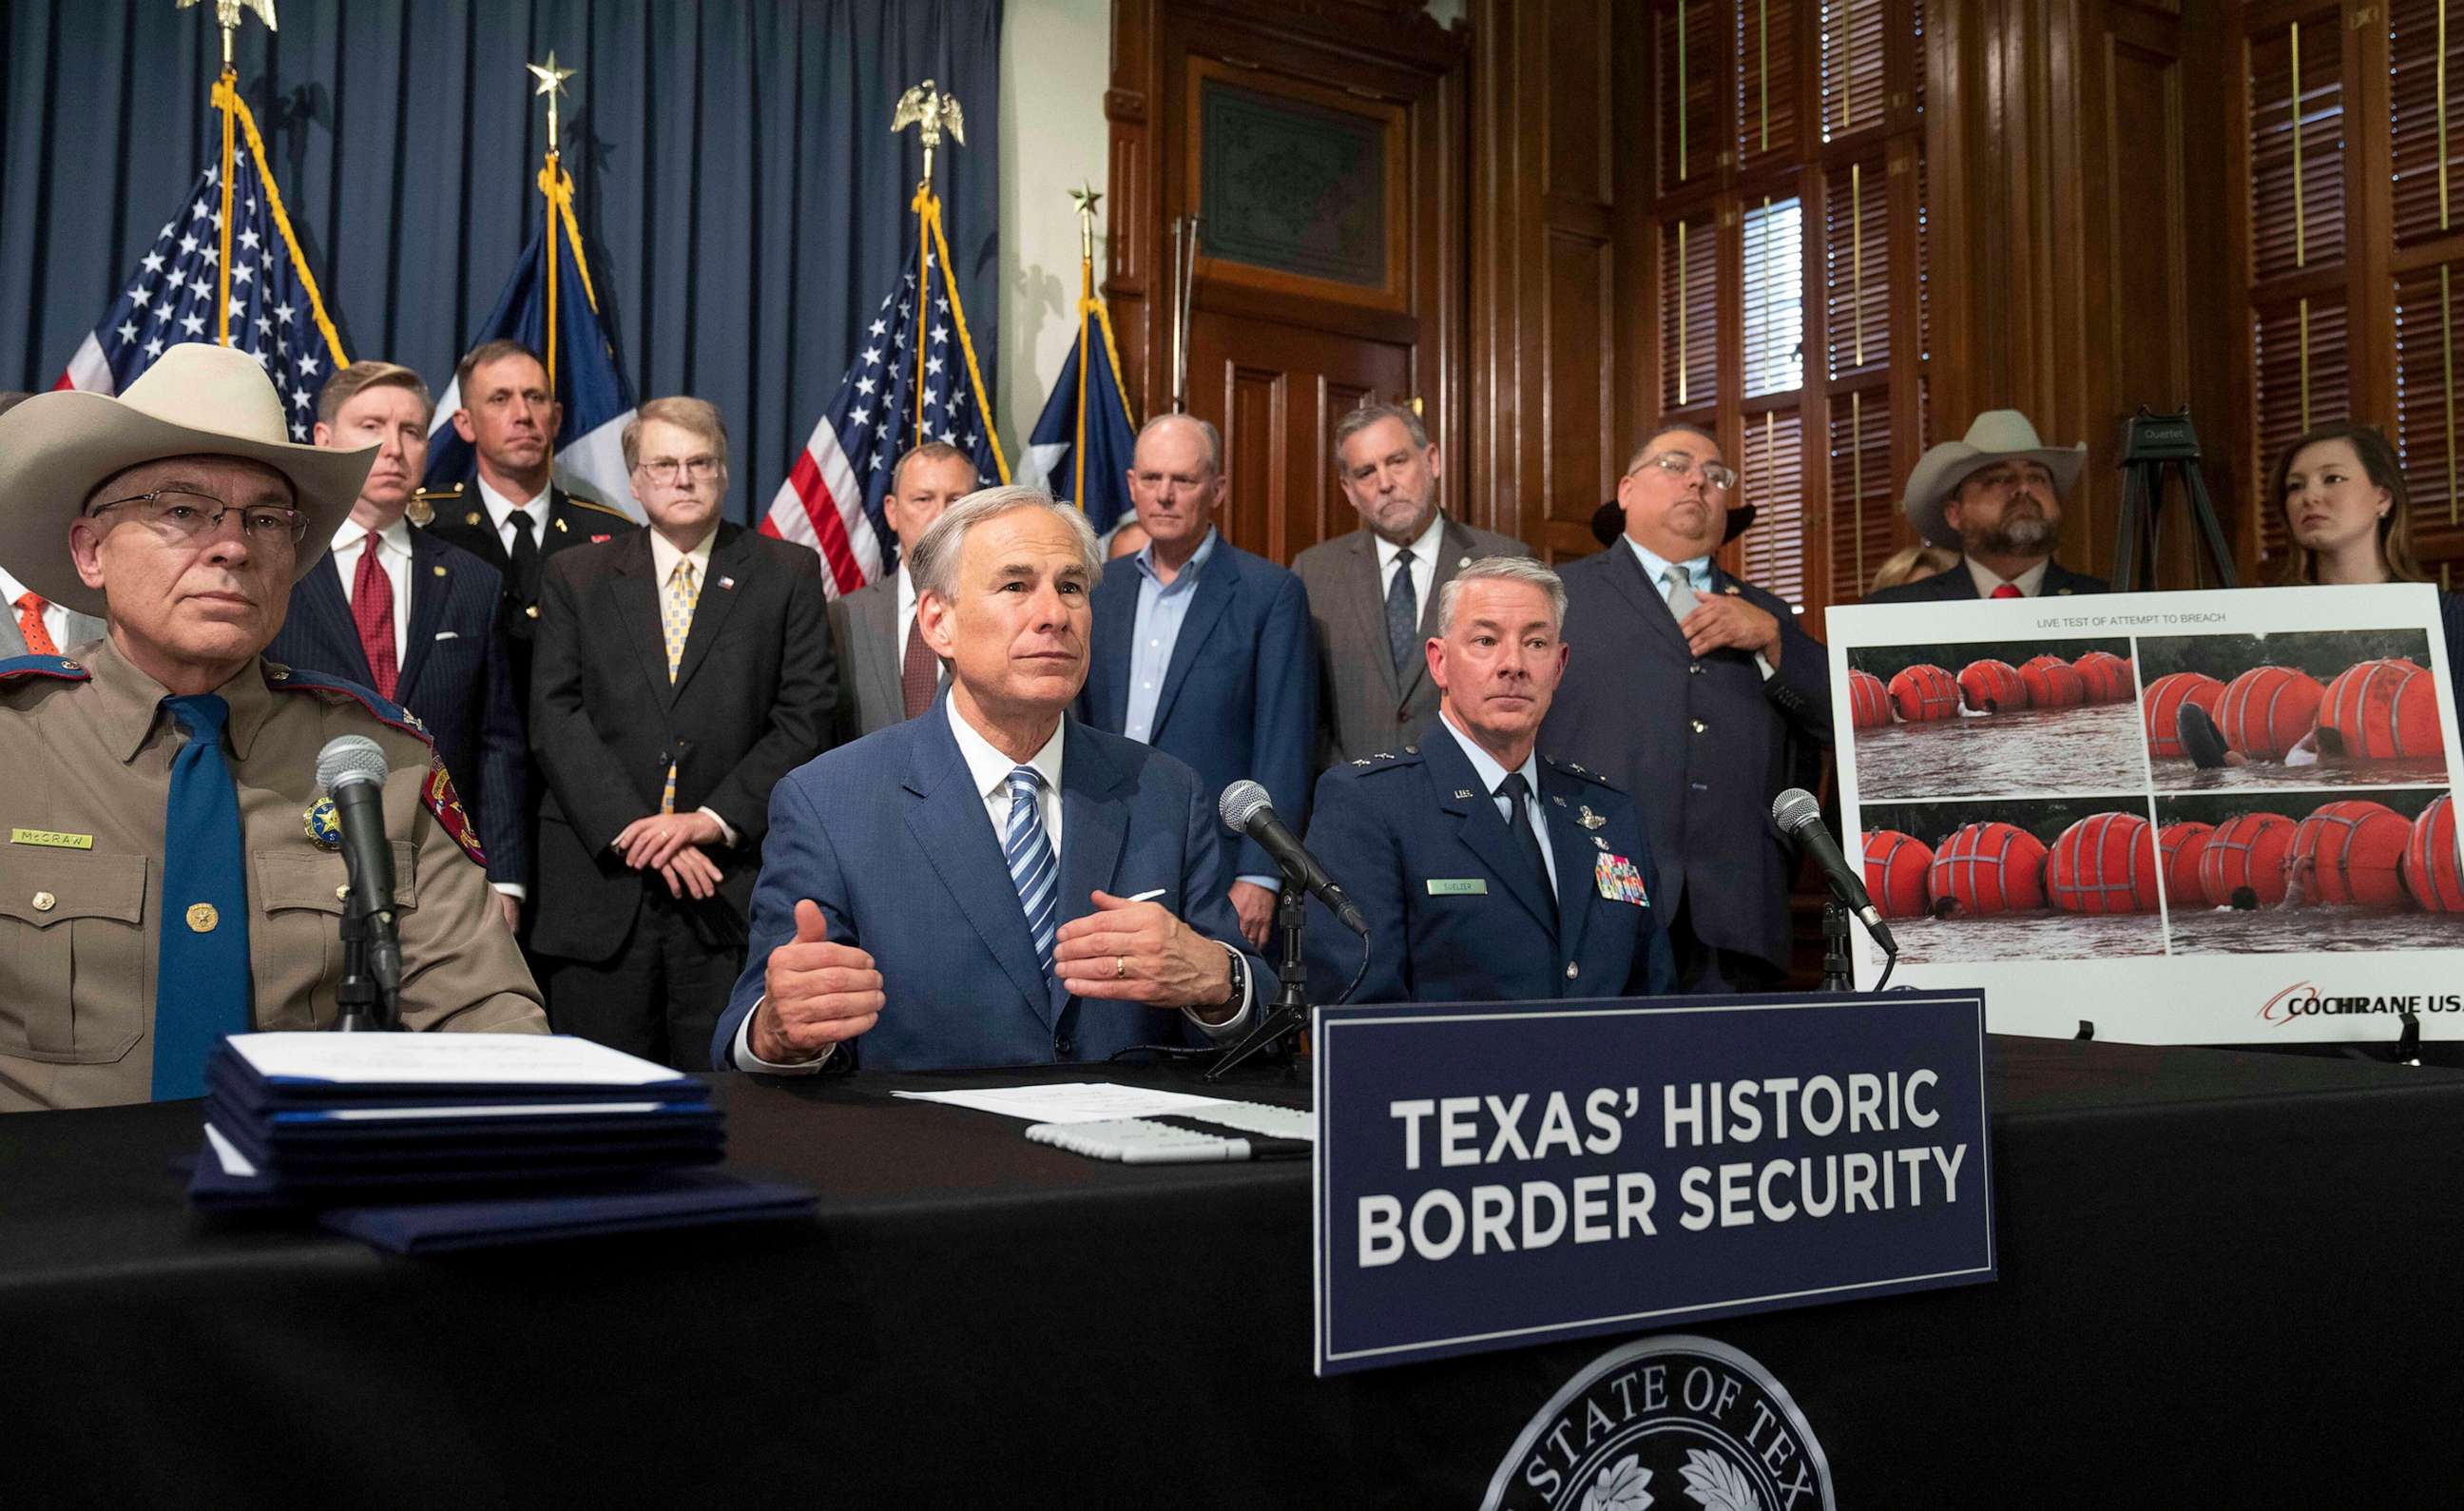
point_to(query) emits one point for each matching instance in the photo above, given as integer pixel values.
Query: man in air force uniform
(172, 870)
(1488, 872)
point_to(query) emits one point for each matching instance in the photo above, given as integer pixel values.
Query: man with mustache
(1995, 497)
(396, 610)
(991, 882)
(1698, 694)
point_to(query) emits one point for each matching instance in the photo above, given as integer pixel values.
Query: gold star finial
(1086, 196)
(551, 83)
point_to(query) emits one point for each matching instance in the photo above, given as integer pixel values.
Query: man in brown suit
(1373, 592)
(181, 514)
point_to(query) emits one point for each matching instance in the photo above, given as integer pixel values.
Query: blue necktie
(1031, 868)
(1402, 617)
(201, 981)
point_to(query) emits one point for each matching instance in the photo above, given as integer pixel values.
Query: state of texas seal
(1677, 1422)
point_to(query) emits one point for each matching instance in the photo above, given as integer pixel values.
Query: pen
(1149, 896)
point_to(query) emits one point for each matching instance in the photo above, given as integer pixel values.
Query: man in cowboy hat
(1996, 498)
(174, 871)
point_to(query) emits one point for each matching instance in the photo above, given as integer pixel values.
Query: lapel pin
(727, 582)
(1588, 819)
(1555, 798)
(559, 524)
(438, 569)
(1731, 589)
(1602, 843)
(1461, 562)
(1462, 791)
(472, 518)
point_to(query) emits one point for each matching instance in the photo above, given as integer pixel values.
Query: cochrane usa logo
(1679, 1423)
(2305, 1000)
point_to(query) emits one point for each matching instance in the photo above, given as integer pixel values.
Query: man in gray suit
(1374, 593)
(31, 624)
(887, 674)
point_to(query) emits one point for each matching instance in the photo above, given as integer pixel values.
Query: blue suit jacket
(1387, 829)
(890, 837)
(1957, 585)
(1240, 696)
(454, 676)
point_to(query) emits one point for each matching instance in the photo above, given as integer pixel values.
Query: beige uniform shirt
(85, 774)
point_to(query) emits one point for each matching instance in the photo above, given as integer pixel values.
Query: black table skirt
(2226, 1279)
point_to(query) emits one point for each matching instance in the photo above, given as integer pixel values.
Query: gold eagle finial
(932, 113)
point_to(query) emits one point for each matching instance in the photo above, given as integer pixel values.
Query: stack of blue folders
(429, 1141)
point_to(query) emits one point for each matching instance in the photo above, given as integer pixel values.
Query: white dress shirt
(663, 556)
(501, 509)
(989, 769)
(393, 557)
(1424, 562)
(906, 612)
(1491, 774)
(2030, 583)
(55, 617)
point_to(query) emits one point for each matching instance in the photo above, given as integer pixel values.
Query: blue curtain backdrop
(737, 183)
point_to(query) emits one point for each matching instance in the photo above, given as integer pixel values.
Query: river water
(2181, 776)
(2028, 936)
(2277, 931)
(2035, 753)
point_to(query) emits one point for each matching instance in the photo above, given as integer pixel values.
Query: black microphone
(1247, 810)
(352, 769)
(1800, 817)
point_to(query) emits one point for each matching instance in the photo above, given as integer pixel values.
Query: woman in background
(2347, 519)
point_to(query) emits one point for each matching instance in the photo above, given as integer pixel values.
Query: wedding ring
(1120, 967)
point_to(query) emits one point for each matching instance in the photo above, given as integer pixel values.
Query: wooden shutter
(1766, 71)
(2428, 310)
(2299, 355)
(1771, 459)
(1773, 296)
(1857, 267)
(1685, 38)
(1864, 492)
(2428, 114)
(2296, 189)
(1689, 309)
(1854, 56)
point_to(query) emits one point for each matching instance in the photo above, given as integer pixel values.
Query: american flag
(832, 497)
(171, 296)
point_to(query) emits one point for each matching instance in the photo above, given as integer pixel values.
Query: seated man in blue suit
(1488, 873)
(396, 610)
(991, 882)
(1207, 652)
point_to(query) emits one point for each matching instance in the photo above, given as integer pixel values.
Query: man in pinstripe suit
(396, 610)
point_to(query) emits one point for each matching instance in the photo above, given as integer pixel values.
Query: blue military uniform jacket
(1454, 913)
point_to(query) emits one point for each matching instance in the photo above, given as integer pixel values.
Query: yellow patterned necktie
(675, 622)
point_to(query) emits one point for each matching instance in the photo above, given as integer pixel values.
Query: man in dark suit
(1488, 872)
(993, 882)
(1995, 497)
(397, 610)
(510, 513)
(1687, 687)
(1372, 594)
(682, 668)
(887, 672)
(1204, 651)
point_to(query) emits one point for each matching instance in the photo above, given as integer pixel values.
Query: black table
(2226, 1279)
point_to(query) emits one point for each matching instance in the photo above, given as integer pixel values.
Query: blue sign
(1490, 1175)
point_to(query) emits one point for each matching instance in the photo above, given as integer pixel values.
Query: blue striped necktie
(1031, 868)
(201, 978)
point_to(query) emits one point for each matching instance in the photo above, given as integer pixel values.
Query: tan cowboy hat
(197, 400)
(1997, 436)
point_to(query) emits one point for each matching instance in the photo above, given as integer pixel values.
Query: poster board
(2025, 790)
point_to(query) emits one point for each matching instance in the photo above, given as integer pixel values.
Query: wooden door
(1323, 150)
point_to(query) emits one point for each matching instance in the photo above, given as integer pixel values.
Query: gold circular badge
(201, 918)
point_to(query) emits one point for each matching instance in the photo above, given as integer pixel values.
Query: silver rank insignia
(1462, 791)
(323, 826)
(1588, 819)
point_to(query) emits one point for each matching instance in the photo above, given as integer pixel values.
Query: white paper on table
(491, 1059)
(1068, 1102)
(227, 1153)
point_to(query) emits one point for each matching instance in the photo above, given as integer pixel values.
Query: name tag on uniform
(1619, 881)
(53, 837)
(1467, 887)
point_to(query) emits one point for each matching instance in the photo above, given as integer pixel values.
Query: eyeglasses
(184, 517)
(1716, 478)
(672, 470)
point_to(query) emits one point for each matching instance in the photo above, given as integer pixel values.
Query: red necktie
(919, 672)
(30, 624)
(372, 611)
(2008, 590)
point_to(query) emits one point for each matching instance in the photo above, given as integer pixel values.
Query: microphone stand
(1278, 1032)
(369, 996)
(1838, 969)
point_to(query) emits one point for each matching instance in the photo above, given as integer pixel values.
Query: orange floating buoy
(2104, 863)
(1896, 868)
(1992, 687)
(1869, 705)
(2351, 851)
(2429, 860)
(2379, 711)
(1925, 692)
(2180, 847)
(2247, 852)
(2161, 707)
(2267, 710)
(2053, 683)
(1989, 868)
(2106, 675)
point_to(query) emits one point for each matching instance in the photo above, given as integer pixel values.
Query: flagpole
(225, 99)
(1085, 197)
(553, 186)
